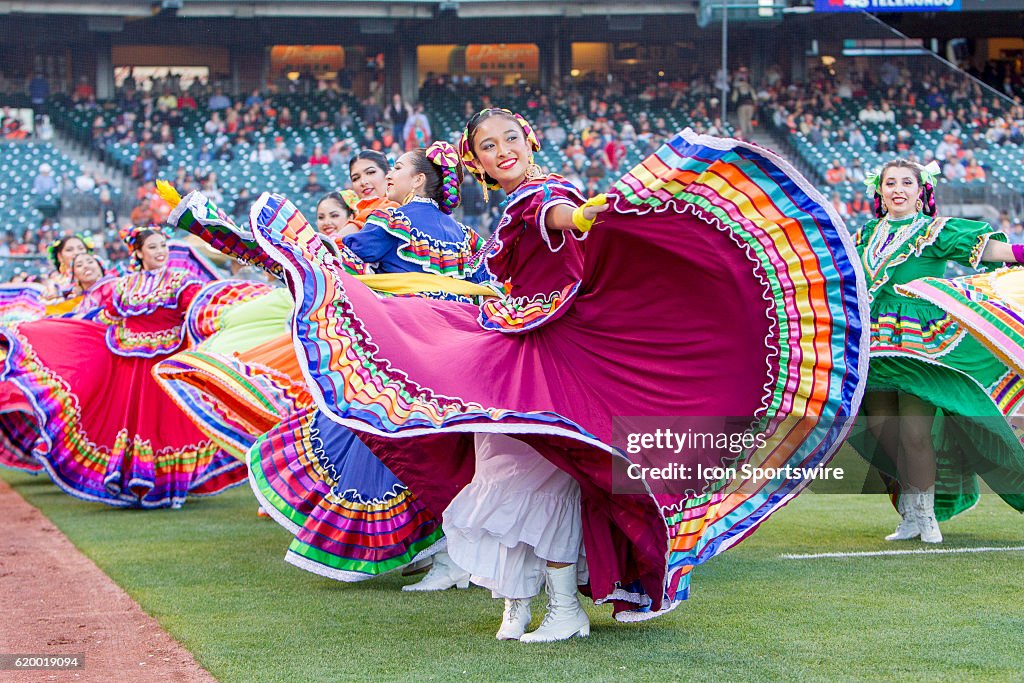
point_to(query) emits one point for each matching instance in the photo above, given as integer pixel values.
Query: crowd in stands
(281, 139)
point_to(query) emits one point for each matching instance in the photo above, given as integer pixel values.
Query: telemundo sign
(887, 5)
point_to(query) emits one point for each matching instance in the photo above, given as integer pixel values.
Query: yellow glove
(579, 219)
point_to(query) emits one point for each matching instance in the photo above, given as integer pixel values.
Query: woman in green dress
(938, 402)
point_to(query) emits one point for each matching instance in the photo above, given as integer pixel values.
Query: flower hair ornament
(446, 158)
(350, 198)
(130, 235)
(52, 247)
(472, 164)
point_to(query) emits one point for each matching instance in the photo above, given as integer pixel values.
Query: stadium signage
(887, 5)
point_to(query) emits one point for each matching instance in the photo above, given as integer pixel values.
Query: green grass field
(212, 574)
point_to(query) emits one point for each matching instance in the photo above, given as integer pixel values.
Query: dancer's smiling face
(87, 270)
(71, 248)
(153, 252)
(500, 146)
(331, 216)
(900, 191)
(368, 179)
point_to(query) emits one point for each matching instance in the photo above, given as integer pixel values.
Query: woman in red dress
(104, 431)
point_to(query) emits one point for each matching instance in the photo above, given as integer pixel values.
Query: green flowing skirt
(916, 348)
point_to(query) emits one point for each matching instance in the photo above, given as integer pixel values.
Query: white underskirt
(519, 513)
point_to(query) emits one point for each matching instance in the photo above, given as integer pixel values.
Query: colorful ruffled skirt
(100, 425)
(719, 284)
(958, 344)
(351, 517)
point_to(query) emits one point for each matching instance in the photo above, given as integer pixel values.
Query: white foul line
(914, 551)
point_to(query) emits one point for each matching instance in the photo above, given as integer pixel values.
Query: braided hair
(927, 195)
(440, 164)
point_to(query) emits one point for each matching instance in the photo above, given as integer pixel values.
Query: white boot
(924, 511)
(442, 575)
(565, 617)
(907, 527)
(514, 619)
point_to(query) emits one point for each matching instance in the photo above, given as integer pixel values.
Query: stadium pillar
(550, 66)
(104, 68)
(401, 71)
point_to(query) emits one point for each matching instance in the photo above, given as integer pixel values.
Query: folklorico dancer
(924, 364)
(104, 431)
(18, 427)
(499, 415)
(352, 518)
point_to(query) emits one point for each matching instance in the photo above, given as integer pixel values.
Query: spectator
(281, 153)
(312, 185)
(976, 141)
(322, 122)
(743, 100)
(299, 157)
(85, 182)
(44, 182)
(836, 174)
(107, 210)
(397, 113)
(44, 130)
(214, 125)
(856, 139)
(416, 131)
(254, 99)
(372, 114)
(856, 173)
(932, 123)
(868, 114)
(261, 155)
(952, 169)
(340, 154)
(343, 119)
(859, 206)
(204, 156)
(318, 157)
(218, 101)
(974, 172)
(839, 205)
(950, 145)
(38, 91)
(884, 144)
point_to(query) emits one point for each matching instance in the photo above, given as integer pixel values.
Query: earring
(533, 171)
(483, 184)
(919, 205)
(408, 197)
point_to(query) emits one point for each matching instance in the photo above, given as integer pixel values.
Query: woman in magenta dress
(18, 429)
(105, 430)
(717, 283)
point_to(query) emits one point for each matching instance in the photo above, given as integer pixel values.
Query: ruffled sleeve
(373, 242)
(556, 192)
(964, 241)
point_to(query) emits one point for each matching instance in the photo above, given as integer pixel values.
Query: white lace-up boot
(514, 619)
(907, 527)
(442, 575)
(924, 511)
(566, 617)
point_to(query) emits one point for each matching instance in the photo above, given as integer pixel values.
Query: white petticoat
(517, 514)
